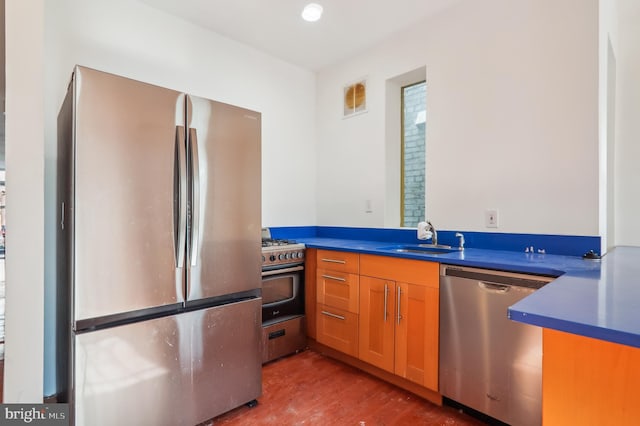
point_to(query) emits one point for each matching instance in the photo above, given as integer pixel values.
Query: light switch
(368, 206)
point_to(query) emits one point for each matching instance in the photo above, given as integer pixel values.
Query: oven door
(282, 294)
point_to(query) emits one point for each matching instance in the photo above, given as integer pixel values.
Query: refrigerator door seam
(124, 318)
(211, 302)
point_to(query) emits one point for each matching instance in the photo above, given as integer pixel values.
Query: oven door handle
(282, 271)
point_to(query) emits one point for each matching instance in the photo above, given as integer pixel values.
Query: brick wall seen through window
(413, 154)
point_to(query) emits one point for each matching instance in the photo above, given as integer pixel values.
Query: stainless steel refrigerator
(159, 215)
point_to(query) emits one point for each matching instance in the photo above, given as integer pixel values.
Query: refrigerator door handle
(195, 196)
(62, 216)
(180, 195)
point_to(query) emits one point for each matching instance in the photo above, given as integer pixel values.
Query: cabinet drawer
(338, 289)
(338, 261)
(337, 329)
(406, 270)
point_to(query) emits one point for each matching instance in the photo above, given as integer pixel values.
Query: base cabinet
(337, 295)
(381, 310)
(586, 381)
(399, 324)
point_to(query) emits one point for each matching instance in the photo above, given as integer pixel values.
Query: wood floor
(311, 389)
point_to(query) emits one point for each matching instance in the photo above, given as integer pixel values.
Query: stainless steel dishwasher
(487, 361)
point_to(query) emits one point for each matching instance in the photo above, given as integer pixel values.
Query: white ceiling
(275, 26)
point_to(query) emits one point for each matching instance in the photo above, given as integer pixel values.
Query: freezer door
(226, 359)
(225, 223)
(132, 374)
(126, 210)
(177, 370)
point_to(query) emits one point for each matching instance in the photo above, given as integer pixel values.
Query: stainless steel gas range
(283, 319)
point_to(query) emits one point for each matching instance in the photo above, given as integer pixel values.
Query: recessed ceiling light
(312, 12)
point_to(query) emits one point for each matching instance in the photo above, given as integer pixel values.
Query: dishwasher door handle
(493, 288)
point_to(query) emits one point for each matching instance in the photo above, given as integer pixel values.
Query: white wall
(608, 47)
(134, 40)
(627, 178)
(512, 107)
(24, 185)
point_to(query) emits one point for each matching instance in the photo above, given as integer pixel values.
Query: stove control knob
(287, 255)
(272, 258)
(281, 256)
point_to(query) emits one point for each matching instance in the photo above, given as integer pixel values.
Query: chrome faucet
(461, 236)
(434, 238)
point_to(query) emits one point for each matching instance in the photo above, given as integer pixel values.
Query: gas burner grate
(273, 242)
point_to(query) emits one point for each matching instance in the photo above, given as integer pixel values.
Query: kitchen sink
(429, 249)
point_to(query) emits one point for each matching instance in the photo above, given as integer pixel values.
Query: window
(412, 181)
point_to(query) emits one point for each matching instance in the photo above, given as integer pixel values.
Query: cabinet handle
(331, 277)
(386, 297)
(334, 261)
(329, 314)
(399, 296)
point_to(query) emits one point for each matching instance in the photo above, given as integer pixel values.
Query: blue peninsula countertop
(603, 303)
(592, 298)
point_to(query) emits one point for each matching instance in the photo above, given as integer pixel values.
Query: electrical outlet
(491, 218)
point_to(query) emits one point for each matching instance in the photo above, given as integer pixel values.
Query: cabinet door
(377, 308)
(417, 334)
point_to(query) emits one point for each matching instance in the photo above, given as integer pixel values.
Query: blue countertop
(599, 299)
(603, 303)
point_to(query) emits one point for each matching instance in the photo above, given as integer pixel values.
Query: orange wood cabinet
(337, 289)
(377, 322)
(587, 381)
(338, 261)
(310, 291)
(337, 329)
(399, 312)
(337, 295)
(417, 335)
